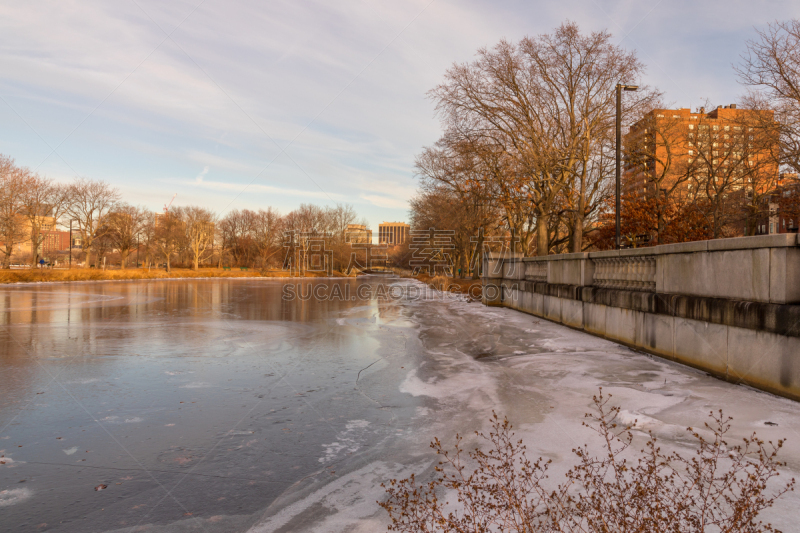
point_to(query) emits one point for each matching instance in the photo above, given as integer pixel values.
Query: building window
(691, 152)
(691, 126)
(771, 228)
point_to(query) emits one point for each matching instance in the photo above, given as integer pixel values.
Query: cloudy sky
(243, 104)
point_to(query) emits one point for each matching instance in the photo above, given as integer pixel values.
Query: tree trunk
(123, 259)
(542, 237)
(577, 233)
(167, 256)
(196, 263)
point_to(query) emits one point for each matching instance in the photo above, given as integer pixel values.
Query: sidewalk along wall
(730, 307)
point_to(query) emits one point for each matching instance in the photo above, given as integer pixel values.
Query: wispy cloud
(385, 201)
(238, 82)
(202, 183)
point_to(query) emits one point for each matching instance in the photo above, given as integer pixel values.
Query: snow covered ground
(472, 360)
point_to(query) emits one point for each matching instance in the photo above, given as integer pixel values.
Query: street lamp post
(70, 241)
(620, 88)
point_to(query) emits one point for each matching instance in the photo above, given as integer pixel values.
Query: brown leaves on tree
(720, 488)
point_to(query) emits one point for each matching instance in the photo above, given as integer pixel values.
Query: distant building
(358, 233)
(393, 233)
(780, 208)
(694, 144)
(54, 241)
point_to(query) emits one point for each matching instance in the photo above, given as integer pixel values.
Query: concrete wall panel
(572, 313)
(594, 318)
(764, 360)
(702, 345)
(551, 308)
(738, 274)
(621, 324)
(655, 333)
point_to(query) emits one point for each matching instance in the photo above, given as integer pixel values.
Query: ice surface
(214, 406)
(477, 360)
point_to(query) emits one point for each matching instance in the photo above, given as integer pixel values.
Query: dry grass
(91, 274)
(471, 287)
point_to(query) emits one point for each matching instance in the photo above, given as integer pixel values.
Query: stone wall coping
(782, 240)
(604, 254)
(681, 248)
(558, 257)
(502, 255)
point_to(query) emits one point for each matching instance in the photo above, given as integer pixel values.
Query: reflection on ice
(216, 406)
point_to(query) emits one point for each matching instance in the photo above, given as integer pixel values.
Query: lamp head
(630, 87)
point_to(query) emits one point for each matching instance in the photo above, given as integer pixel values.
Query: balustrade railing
(636, 273)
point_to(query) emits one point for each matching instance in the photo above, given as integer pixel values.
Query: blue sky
(244, 104)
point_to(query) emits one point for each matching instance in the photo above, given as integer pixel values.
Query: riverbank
(471, 287)
(92, 274)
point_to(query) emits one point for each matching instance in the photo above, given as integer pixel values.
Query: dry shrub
(720, 488)
(440, 283)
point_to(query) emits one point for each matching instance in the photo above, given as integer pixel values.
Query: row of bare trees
(31, 205)
(529, 138)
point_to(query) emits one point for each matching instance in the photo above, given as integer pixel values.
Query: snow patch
(196, 385)
(349, 441)
(13, 496)
(350, 500)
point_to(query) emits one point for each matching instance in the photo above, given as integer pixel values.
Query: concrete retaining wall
(729, 307)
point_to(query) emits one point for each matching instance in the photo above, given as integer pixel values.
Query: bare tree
(43, 204)
(89, 203)
(125, 224)
(771, 67)
(266, 228)
(169, 234)
(13, 227)
(199, 225)
(236, 234)
(537, 112)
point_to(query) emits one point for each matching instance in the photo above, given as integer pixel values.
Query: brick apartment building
(671, 151)
(53, 240)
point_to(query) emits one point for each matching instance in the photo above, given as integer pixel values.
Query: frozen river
(220, 405)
